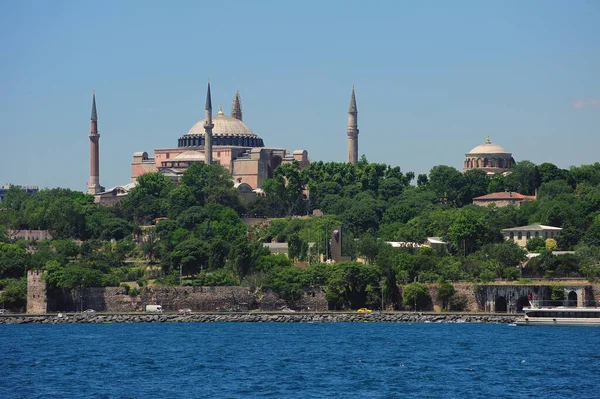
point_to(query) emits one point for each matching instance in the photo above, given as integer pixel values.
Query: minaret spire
(352, 130)
(94, 114)
(208, 126)
(236, 108)
(94, 186)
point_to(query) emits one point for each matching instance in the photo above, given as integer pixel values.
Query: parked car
(364, 310)
(4, 311)
(89, 311)
(288, 310)
(184, 311)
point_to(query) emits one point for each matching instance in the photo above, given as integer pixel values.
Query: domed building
(490, 157)
(232, 144)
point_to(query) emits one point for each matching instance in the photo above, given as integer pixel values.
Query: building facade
(520, 235)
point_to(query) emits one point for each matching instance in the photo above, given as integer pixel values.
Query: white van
(154, 308)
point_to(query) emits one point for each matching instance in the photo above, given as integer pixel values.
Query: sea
(298, 360)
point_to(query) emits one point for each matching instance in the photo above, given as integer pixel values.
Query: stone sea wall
(261, 318)
(201, 299)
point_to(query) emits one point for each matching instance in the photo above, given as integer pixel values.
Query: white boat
(560, 316)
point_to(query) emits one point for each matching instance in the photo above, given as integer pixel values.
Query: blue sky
(433, 79)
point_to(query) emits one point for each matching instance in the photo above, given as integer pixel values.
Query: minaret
(236, 108)
(352, 130)
(208, 126)
(94, 186)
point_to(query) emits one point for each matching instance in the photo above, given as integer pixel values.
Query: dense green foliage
(193, 233)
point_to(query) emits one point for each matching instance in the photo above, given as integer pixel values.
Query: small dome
(488, 148)
(224, 125)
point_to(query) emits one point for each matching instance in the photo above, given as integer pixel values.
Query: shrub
(142, 282)
(459, 303)
(511, 273)
(110, 280)
(551, 244)
(127, 288)
(535, 243)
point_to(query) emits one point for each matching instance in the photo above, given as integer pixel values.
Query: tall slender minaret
(208, 126)
(352, 130)
(236, 108)
(94, 186)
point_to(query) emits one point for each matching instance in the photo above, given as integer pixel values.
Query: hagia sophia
(228, 141)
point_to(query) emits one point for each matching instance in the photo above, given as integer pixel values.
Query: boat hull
(547, 321)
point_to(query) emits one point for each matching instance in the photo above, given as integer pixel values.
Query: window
(520, 235)
(512, 235)
(537, 234)
(528, 235)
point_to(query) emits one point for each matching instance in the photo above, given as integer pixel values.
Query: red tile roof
(504, 195)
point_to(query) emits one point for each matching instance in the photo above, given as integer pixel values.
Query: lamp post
(381, 284)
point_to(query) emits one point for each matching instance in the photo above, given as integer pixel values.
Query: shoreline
(260, 317)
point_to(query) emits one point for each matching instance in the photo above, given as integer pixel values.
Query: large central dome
(227, 131)
(223, 125)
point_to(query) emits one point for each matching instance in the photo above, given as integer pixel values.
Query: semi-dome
(190, 156)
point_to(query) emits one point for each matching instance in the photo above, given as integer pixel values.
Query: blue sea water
(321, 360)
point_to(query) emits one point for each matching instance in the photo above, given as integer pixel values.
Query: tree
(444, 293)
(476, 183)
(448, 183)
(149, 199)
(288, 282)
(416, 296)
(13, 293)
(468, 231)
(191, 256)
(592, 235)
(551, 244)
(14, 261)
(210, 184)
(523, 178)
(348, 283)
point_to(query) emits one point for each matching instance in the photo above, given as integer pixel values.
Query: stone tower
(236, 108)
(94, 186)
(36, 292)
(352, 130)
(208, 126)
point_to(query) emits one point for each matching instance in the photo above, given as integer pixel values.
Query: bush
(220, 277)
(142, 282)
(110, 280)
(511, 273)
(459, 303)
(534, 244)
(127, 288)
(416, 296)
(487, 275)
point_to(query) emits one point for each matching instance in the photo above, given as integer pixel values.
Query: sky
(433, 79)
